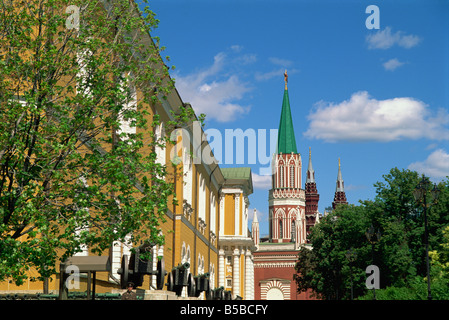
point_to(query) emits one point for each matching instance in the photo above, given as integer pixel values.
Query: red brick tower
(275, 259)
(340, 195)
(312, 197)
(286, 198)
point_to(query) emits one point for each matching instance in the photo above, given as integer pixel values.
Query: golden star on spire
(285, 79)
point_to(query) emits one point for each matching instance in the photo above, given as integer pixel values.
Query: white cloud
(384, 39)
(212, 94)
(261, 182)
(363, 118)
(436, 166)
(431, 146)
(280, 66)
(261, 216)
(236, 48)
(247, 58)
(392, 64)
(259, 76)
(278, 72)
(281, 62)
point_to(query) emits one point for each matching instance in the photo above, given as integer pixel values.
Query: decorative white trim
(274, 264)
(236, 273)
(280, 284)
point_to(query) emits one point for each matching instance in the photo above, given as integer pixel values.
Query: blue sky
(376, 98)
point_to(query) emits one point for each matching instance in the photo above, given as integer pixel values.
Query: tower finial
(340, 195)
(340, 184)
(310, 172)
(286, 134)
(285, 79)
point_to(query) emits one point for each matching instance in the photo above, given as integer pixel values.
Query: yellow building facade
(236, 246)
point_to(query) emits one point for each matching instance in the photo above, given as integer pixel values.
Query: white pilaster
(236, 273)
(249, 276)
(222, 213)
(221, 268)
(237, 214)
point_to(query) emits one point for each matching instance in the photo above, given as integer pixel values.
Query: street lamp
(420, 194)
(351, 255)
(373, 237)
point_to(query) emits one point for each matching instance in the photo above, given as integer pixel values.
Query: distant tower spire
(340, 195)
(312, 196)
(255, 230)
(340, 182)
(310, 172)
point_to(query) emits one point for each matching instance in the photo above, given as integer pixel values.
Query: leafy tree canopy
(73, 76)
(341, 250)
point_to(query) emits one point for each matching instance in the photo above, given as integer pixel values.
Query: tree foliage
(73, 75)
(330, 271)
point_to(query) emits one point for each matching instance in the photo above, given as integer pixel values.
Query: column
(153, 277)
(237, 214)
(222, 213)
(236, 273)
(249, 277)
(304, 228)
(116, 258)
(298, 233)
(221, 268)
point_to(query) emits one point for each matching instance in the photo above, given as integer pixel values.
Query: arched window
(187, 171)
(281, 176)
(293, 231)
(159, 148)
(212, 213)
(202, 197)
(280, 228)
(292, 176)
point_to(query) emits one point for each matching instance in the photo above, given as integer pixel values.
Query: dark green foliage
(399, 252)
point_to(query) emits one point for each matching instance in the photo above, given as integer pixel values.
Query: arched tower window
(292, 176)
(293, 231)
(281, 176)
(280, 229)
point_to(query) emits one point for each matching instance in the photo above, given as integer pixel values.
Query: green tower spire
(286, 134)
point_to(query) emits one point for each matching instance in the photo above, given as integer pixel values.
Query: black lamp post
(373, 237)
(420, 193)
(351, 255)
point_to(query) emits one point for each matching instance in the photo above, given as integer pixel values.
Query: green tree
(399, 252)
(395, 198)
(71, 75)
(326, 269)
